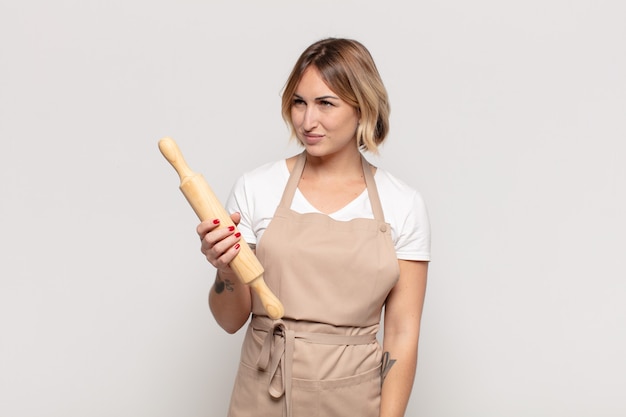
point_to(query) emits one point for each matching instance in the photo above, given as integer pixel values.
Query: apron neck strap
(296, 173)
(372, 191)
(292, 183)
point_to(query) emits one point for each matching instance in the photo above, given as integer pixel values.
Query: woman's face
(324, 123)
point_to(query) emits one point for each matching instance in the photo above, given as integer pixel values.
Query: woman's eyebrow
(318, 98)
(326, 98)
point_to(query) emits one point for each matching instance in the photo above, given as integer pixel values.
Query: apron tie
(277, 352)
(278, 348)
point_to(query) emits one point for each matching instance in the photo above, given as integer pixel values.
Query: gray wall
(508, 116)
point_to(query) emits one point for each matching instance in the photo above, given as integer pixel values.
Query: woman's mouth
(311, 139)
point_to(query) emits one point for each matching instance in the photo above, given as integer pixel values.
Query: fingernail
(231, 228)
(216, 221)
(237, 246)
(237, 234)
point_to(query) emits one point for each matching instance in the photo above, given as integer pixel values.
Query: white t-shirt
(257, 193)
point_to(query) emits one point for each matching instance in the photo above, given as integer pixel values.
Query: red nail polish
(237, 246)
(237, 234)
(216, 221)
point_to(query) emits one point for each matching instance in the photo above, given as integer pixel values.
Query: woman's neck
(346, 165)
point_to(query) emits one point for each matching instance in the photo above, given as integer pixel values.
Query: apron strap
(370, 183)
(372, 191)
(292, 183)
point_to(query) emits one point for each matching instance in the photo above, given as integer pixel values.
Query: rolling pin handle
(174, 156)
(272, 305)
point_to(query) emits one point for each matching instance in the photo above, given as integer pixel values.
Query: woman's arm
(403, 313)
(229, 299)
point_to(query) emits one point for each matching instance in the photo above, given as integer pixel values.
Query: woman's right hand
(229, 299)
(219, 244)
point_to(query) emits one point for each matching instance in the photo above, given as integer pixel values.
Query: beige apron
(322, 359)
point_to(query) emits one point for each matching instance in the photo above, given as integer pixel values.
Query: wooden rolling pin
(206, 205)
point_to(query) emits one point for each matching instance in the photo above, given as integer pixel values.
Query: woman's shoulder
(259, 187)
(394, 187)
(406, 211)
(266, 172)
(263, 178)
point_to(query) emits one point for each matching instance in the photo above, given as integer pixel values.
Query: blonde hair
(348, 69)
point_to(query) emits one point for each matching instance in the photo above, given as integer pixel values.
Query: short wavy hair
(348, 69)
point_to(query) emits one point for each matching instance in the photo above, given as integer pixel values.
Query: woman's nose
(310, 118)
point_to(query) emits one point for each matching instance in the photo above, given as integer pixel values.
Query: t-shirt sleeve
(413, 239)
(240, 201)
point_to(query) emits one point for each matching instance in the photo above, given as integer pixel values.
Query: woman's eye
(326, 103)
(298, 102)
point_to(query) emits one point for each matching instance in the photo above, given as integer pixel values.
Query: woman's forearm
(398, 383)
(403, 313)
(230, 301)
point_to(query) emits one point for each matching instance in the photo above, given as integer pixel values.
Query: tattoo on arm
(223, 284)
(226, 284)
(385, 367)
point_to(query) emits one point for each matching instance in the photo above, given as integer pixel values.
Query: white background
(509, 117)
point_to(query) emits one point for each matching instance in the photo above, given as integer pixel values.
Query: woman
(338, 239)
